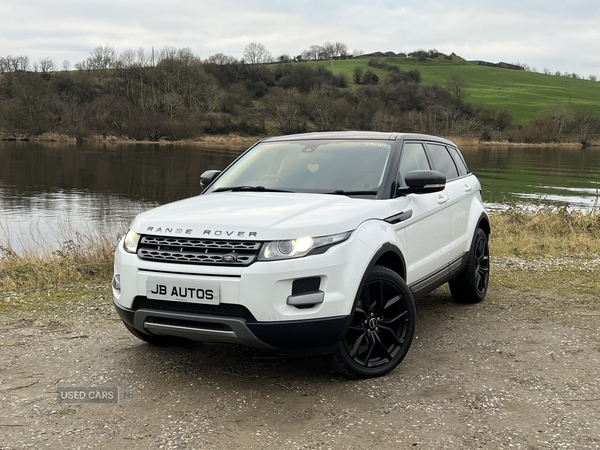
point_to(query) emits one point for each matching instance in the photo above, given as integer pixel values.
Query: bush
(540, 130)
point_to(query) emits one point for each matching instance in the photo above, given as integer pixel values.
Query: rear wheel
(382, 327)
(159, 341)
(471, 285)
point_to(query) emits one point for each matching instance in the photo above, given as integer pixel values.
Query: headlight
(131, 241)
(296, 248)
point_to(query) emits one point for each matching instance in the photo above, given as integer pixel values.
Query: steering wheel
(276, 178)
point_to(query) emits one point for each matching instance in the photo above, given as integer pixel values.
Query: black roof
(377, 135)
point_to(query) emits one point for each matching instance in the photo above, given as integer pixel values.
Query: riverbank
(237, 141)
(229, 141)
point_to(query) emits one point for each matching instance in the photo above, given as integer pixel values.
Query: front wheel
(382, 327)
(471, 285)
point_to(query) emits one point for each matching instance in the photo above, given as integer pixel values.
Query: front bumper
(257, 304)
(314, 334)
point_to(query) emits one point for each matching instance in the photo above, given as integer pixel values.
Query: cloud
(557, 35)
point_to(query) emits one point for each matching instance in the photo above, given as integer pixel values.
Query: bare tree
(82, 65)
(328, 50)
(457, 86)
(16, 63)
(593, 78)
(32, 97)
(256, 53)
(341, 50)
(560, 113)
(47, 65)
(66, 65)
(285, 108)
(133, 58)
(166, 53)
(312, 53)
(102, 57)
(221, 59)
(585, 122)
(144, 58)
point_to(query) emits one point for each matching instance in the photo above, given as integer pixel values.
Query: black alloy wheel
(382, 327)
(471, 285)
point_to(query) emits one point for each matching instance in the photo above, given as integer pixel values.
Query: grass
(522, 93)
(544, 231)
(81, 259)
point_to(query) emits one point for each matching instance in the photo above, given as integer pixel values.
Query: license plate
(201, 292)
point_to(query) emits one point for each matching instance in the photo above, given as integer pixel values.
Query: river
(50, 192)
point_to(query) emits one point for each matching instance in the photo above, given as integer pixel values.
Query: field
(522, 93)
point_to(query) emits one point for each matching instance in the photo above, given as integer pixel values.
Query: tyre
(382, 327)
(471, 285)
(159, 341)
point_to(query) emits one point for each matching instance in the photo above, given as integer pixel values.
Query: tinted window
(460, 162)
(442, 161)
(413, 158)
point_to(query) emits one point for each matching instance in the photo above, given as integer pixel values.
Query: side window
(413, 158)
(459, 160)
(442, 161)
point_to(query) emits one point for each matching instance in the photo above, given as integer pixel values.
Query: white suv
(311, 243)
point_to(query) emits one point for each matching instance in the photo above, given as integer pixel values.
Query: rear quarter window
(460, 161)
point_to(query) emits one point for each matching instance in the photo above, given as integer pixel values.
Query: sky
(554, 35)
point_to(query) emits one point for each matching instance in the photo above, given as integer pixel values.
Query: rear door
(459, 187)
(428, 229)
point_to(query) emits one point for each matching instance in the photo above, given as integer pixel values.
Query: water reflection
(549, 174)
(48, 191)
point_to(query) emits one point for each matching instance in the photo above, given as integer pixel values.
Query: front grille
(223, 309)
(198, 251)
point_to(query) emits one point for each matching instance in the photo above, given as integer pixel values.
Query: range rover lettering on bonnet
(229, 233)
(170, 230)
(212, 233)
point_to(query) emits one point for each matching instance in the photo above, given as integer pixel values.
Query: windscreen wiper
(249, 188)
(342, 192)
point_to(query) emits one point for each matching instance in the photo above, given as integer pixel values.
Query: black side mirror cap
(208, 177)
(423, 182)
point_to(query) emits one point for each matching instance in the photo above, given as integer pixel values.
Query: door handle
(468, 187)
(442, 199)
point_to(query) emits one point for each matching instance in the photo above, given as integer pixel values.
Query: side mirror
(208, 177)
(423, 182)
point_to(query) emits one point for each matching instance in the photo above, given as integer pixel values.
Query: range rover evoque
(310, 243)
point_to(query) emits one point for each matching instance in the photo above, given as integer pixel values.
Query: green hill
(522, 93)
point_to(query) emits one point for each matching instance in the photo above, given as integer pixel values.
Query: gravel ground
(519, 370)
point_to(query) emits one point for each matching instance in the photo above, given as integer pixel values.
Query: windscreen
(311, 166)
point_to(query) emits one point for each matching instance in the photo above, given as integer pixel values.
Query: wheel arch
(388, 255)
(484, 224)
